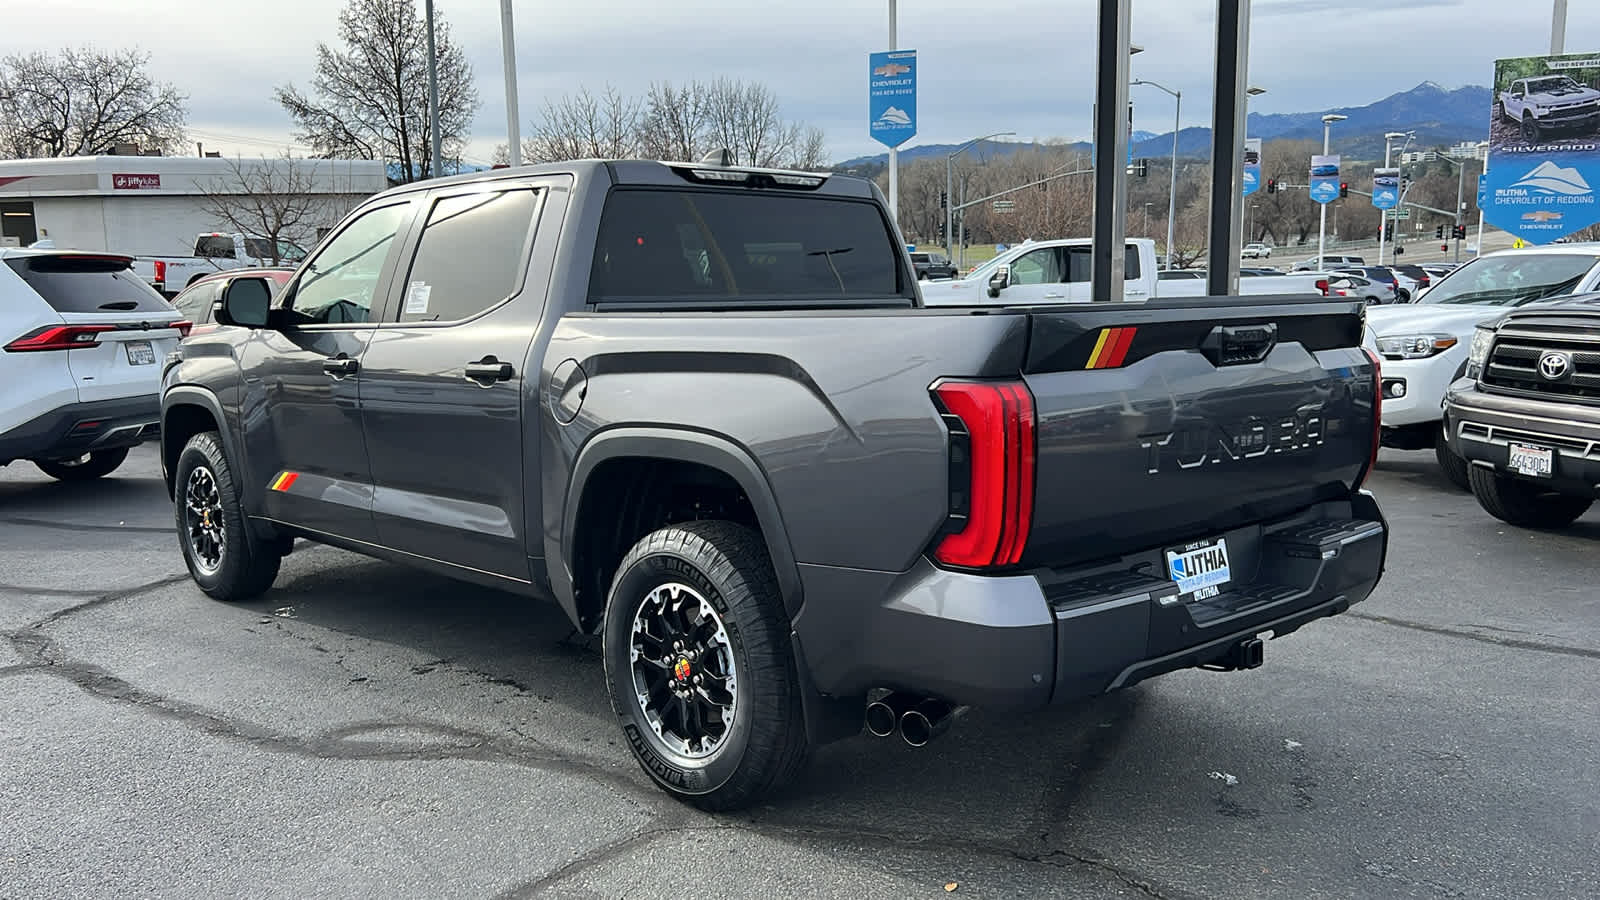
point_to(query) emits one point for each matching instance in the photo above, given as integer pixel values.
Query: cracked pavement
(367, 730)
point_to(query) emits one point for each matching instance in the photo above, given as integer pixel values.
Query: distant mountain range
(1439, 116)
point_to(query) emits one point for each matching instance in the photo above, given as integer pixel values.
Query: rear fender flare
(691, 447)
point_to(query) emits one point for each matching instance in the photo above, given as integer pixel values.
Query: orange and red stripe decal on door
(284, 481)
(1111, 349)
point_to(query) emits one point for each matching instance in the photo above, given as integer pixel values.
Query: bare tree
(584, 126)
(84, 102)
(369, 100)
(273, 199)
(674, 122)
(744, 117)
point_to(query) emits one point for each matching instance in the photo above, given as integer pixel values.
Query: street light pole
(949, 185)
(433, 95)
(1172, 189)
(894, 152)
(1383, 214)
(508, 49)
(1322, 224)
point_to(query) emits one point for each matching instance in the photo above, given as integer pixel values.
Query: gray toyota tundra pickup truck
(702, 408)
(1526, 417)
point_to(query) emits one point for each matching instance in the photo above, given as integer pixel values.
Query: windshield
(1512, 280)
(1548, 85)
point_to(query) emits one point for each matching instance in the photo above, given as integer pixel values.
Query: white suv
(81, 344)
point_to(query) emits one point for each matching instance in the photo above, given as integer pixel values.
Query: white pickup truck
(213, 252)
(1036, 272)
(1543, 104)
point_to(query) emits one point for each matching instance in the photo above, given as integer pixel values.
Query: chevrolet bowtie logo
(890, 70)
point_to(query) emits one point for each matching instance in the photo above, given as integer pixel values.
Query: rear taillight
(1322, 285)
(1377, 416)
(161, 271)
(58, 337)
(992, 445)
(184, 327)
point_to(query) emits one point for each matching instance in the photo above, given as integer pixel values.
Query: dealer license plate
(1530, 460)
(1200, 569)
(140, 353)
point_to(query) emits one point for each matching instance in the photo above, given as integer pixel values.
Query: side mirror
(999, 280)
(245, 302)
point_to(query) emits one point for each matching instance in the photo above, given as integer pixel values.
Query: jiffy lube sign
(1544, 146)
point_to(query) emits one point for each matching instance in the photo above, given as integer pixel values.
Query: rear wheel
(83, 468)
(699, 667)
(227, 561)
(1524, 503)
(1454, 467)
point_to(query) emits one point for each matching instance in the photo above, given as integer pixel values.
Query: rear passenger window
(470, 256)
(747, 247)
(86, 284)
(195, 303)
(1078, 264)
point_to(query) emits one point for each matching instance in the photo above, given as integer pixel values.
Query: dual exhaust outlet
(918, 719)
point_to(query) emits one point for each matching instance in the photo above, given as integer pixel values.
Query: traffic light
(1444, 247)
(1272, 185)
(1438, 233)
(1141, 168)
(1461, 232)
(944, 200)
(1344, 188)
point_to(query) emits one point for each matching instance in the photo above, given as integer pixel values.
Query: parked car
(1437, 271)
(933, 266)
(197, 301)
(1329, 261)
(1382, 274)
(1367, 290)
(80, 367)
(1550, 102)
(1414, 279)
(665, 397)
(1324, 171)
(213, 252)
(1256, 250)
(1526, 419)
(1058, 271)
(1424, 344)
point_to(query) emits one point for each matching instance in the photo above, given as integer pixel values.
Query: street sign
(892, 97)
(1540, 187)
(1385, 188)
(1483, 181)
(1252, 165)
(1005, 205)
(1325, 178)
(1401, 213)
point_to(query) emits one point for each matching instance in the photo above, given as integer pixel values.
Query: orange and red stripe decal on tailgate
(284, 481)
(1111, 348)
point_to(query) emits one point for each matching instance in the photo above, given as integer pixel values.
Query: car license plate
(1200, 569)
(1529, 460)
(140, 353)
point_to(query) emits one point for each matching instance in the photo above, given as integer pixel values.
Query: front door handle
(488, 370)
(340, 366)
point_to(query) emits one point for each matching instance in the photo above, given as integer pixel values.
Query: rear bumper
(80, 428)
(1482, 426)
(1051, 637)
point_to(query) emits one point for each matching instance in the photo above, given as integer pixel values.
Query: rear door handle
(488, 370)
(340, 366)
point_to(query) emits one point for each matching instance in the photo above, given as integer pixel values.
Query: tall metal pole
(1172, 189)
(894, 152)
(1322, 215)
(1558, 28)
(433, 95)
(949, 206)
(1225, 238)
(1383, 214)
(1461, 182)
(508, 49)
(1107, 257)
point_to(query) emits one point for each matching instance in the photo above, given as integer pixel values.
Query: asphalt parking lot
(368, 731)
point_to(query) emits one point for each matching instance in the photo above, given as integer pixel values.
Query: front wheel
(83, 468)
(1453, 466)
(699, 667)
(226, 560)
(1530, 129)
(1524, 503)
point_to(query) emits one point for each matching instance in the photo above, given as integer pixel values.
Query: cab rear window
(755, 248)
(78, 284)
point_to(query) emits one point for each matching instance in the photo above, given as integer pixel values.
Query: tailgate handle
(1236, 345)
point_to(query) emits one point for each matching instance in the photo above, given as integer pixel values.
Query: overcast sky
(1006, 65)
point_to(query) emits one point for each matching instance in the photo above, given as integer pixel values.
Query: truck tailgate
(1169, 422)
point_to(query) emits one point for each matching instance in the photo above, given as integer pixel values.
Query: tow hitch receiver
(1247, 654)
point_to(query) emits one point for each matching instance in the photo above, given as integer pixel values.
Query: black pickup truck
(1526, 417)
(702, 408)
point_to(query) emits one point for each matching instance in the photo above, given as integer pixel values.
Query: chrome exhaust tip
(883, 714)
